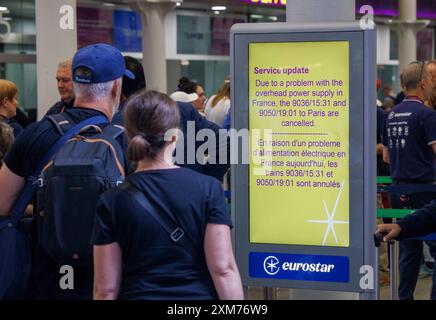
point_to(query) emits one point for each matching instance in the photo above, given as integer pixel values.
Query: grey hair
(94, 91)
(413, 73)
(66, 64)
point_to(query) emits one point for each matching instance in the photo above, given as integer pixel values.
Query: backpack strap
(175, 232)
(61, 121)
(114, 130)
(31, 184)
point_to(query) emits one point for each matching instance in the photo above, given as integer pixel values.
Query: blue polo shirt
(410, 131)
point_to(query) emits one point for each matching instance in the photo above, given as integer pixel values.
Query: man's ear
(3, 101)
(116, 89)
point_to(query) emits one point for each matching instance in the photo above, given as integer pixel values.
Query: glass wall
(18, 48)
(201, 48)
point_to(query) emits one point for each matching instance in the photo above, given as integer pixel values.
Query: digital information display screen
(299, 122)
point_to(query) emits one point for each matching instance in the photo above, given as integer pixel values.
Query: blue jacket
(420, 223)
(189, 113)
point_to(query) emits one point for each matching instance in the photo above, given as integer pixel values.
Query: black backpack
(69, 187)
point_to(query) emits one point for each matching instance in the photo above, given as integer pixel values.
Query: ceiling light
(3, 9)
(219, 8)
(108, 4)
(256, 16)
(178, 4)
(216, 12)
(273, 18)
(7, 18)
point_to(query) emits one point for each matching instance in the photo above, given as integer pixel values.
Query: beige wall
(56, 41)
(320, 10)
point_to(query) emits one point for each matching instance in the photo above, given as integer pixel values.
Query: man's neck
(3, 115)
(415, 93)
(101, 106)
(68, 101)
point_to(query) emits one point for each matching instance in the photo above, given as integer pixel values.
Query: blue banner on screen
(299, 267)
(127, 32)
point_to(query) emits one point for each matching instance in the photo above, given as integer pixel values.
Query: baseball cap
(104, 62)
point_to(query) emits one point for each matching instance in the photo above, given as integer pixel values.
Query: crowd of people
(110, 202)
(143, 227)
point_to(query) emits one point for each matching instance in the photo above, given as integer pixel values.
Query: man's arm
(379, 148)
(419, 223)
(10, 188)
(386, 154)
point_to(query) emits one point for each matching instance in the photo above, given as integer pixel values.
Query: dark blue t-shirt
(155, 267)
(410, 130)
(60, 106)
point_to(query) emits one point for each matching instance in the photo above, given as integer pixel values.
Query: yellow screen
(299, 149)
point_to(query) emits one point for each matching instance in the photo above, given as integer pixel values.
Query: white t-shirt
(218, 113)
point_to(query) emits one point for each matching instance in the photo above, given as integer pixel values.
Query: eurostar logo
(330, 218)
(270, 265)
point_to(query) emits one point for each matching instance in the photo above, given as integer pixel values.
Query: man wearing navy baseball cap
(97, 74)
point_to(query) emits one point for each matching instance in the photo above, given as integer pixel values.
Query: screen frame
(361, 157)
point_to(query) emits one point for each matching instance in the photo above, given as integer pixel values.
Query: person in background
(218, 105)
(180, 96)
(388, 91)
(388, 105)
(389, 100)
(379, 103)
(6, 140)
(431, 66)
(187, 114)
(400, 96)
(227, 121)
(134, 257)
(190, 87)
(130, 86)
(22, 117)
(64, 79)
(9, 105)
(409, 145)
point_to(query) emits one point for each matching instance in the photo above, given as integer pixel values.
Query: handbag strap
(175, 232)
(31, 184)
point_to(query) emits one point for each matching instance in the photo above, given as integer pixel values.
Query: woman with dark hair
(134, 255)
(189, 87)
(218, 105)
